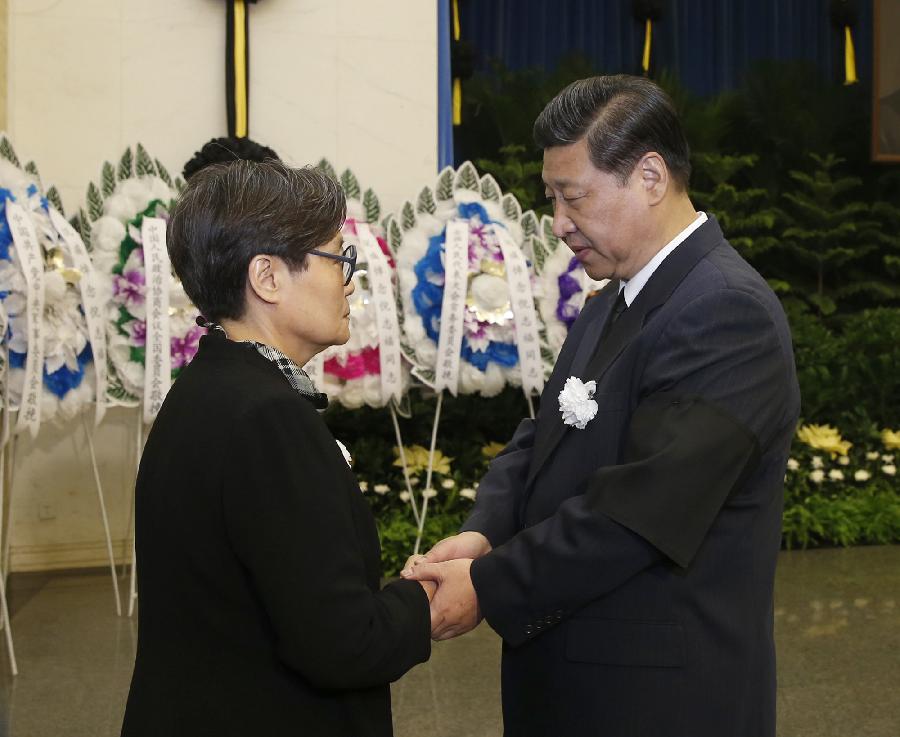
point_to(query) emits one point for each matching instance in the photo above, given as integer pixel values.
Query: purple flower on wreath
(137, 332)
(129, 289)
(184, 349)
(568, 287)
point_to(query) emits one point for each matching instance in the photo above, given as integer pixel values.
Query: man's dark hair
(623, 117)
(229, 213)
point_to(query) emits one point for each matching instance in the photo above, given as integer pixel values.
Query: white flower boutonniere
(575, 403)
(344, 451)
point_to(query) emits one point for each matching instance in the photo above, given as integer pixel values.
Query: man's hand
(464, 545)
(454, 608)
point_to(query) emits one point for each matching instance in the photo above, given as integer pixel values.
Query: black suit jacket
(633, 564)
(259, 568)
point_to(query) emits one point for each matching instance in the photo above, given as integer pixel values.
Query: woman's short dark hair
(623, 117)
(229, 213)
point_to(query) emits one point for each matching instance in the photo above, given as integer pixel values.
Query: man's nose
(562, 223)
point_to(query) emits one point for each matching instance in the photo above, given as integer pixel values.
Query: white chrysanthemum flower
(887, 458)
(844, 460)
(448, 483)
(836, 475)
(862, 475)
(872, 455)
(468, 493)
(793, 464)
(575, 402)
(889, 469)
(363, 486)
(817, 476)
(404, 496)
(817, 462)
(429, 494)
(381, 489)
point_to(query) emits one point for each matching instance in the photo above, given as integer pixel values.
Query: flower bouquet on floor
(563, 284)
(40, 302)
(369, 369)
(130, 198)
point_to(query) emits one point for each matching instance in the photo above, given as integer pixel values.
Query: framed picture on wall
(886, 87)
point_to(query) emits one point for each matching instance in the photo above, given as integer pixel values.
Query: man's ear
(264, 278)
(654, 176)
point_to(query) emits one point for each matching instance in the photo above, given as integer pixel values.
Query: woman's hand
(464, 545)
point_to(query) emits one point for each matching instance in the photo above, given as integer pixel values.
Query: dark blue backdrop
(709, 44)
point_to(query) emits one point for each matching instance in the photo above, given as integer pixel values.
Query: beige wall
(352, 80)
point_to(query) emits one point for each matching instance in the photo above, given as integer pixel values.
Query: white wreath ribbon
(89, 286)
(379, 272)
(31, 260)
(526, 319)
(158, 353)
(456, 276)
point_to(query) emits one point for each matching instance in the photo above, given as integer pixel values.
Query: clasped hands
(454, 604)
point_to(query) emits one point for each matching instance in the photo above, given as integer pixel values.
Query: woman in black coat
(261, 612)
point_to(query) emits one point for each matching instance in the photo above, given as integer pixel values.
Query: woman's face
(315, 310)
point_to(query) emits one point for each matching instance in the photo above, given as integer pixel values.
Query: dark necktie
(619, 306)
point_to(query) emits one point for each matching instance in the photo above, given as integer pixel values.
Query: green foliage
(32, 169)
(94, 201)
(372, 206)
(144, 164)
(108, 179)
(126, 165)
(828, 503)
(327, 169)
(54, 199)
(163, 173)
(8, 152)
(519, 175)
(350, 185)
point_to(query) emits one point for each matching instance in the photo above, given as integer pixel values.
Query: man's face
(604, 222)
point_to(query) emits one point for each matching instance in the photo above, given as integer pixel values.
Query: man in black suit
(624, 543)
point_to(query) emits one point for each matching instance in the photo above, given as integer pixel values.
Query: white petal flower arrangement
(489, 358)
(67, 372)
(563, 284)
(139, 187)
(352, 373)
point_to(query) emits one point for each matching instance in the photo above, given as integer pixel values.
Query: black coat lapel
(656, 291)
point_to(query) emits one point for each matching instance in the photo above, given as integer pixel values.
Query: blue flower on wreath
(428, 295)
(64, 379)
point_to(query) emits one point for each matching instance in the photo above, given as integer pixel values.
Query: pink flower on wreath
(129, 289)
(365, 363)
(350, 225)
(184, 349)
(137, 332)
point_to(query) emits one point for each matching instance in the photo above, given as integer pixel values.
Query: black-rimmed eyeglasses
(348, 256)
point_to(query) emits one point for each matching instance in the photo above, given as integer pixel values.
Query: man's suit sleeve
(290, 521)
(494, 515)
(713, 394)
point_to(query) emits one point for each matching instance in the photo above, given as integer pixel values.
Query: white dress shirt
(634, 285)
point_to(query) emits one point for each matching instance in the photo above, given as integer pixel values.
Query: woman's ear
(263, 278)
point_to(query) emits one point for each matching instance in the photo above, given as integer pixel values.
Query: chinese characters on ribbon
(92, 299)
(32, 262)
(158, 356)
(379, 272)
(456, 275)
(526, 319)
